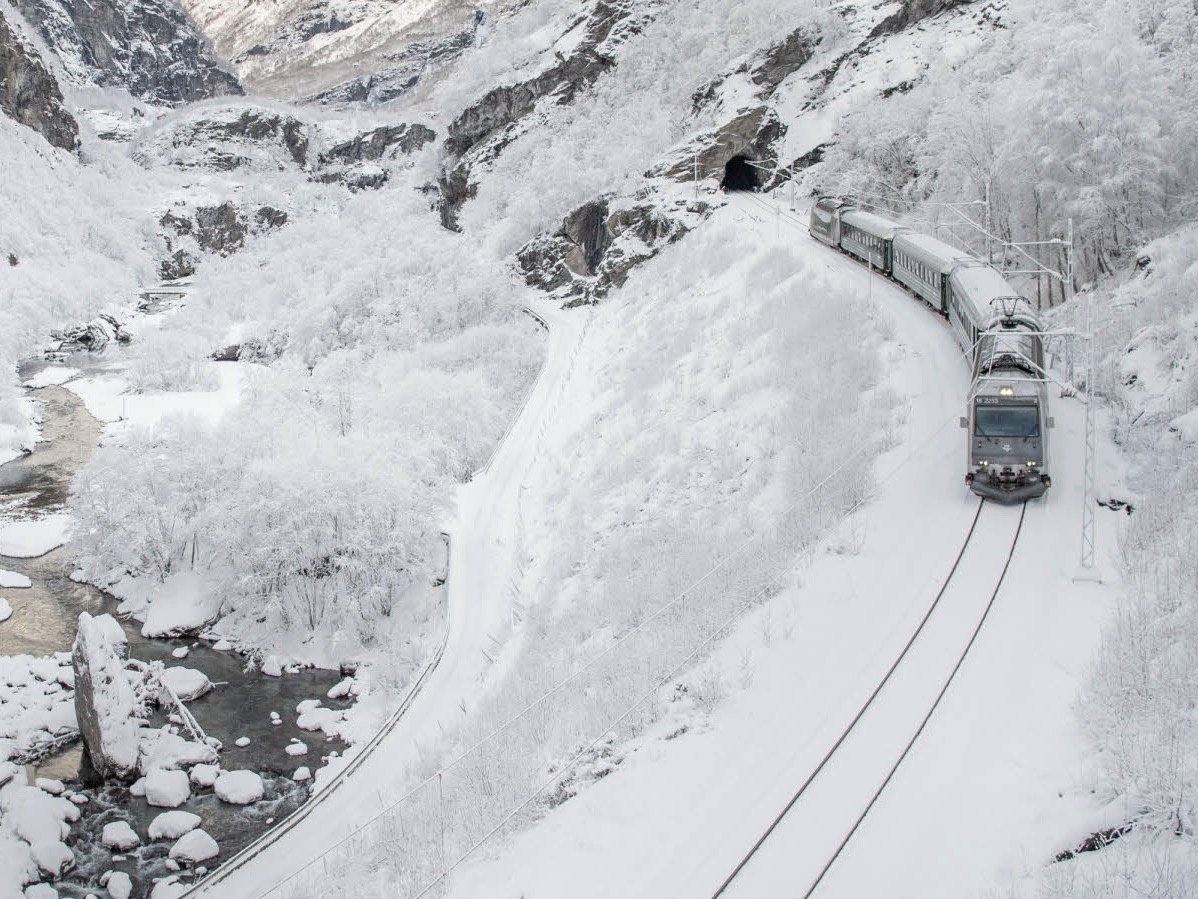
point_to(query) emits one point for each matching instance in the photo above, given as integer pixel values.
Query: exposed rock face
(913, 11)
(386, 142)
(149, 47)
(402, 71)
(231, 138)
(105, 703)
(596, 248)
(784, 59)
(481, 131)
(752, 134)
(30, 95)
(219, 230)
(508, 104)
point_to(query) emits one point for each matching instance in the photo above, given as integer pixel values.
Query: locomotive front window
(1007, 421)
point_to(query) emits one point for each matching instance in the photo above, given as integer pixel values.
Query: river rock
(205, 775)
(196, 846)
(119, 885)
(239, 787)
(51, 786)
(40, 891)
(52, 859)
(105, 704)
(172, 825)
(169, 888)
(167, 789)
(187, 683)
(120, 836)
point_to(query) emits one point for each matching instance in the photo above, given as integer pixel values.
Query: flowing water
(44, 620)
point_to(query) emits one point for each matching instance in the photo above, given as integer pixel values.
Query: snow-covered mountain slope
(346, 50)
(575, 150)
(149, 48)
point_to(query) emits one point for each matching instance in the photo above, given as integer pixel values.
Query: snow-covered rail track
(803, 842)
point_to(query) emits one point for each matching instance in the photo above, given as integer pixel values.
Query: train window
(1007, 421)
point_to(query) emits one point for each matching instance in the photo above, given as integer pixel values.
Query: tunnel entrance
(739, 174)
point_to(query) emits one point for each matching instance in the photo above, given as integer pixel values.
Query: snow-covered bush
(1059, 115)
(315, 506)
(71, 245)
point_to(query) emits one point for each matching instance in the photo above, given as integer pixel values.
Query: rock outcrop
(29, 94)
(230, 138)
(597, 246)
(210, 230)
(105, 703)
(386, 142)
(148, 47)
(913, 12)
(483, 129)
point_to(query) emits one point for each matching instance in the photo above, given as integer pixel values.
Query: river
(44, 621)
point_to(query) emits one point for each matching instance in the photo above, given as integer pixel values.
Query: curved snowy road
(483, 556)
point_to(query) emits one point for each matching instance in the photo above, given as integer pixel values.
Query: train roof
(870, 223)
(931, 251)
(978, 285)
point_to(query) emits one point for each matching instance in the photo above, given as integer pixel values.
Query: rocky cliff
(148, 47)
(30, 94)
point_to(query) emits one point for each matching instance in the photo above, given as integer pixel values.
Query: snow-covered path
(482, 557)
(987, 792)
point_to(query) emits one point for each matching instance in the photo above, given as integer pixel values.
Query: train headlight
(1032, 464)
(983, 463)
(1006, 390)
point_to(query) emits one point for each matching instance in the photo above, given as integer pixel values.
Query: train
(1007, 413)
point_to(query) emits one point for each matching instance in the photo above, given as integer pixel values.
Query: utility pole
(1088, 570)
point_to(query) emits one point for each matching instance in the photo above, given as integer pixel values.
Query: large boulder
(105, 703)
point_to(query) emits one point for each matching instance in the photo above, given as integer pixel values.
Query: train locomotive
(1007, 416)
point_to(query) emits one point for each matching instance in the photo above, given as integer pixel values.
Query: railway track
(797, 851)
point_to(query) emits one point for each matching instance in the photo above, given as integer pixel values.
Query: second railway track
(798, 850)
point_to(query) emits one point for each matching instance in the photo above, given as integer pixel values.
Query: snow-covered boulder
(302, 774)
(40, 891)
(120, 836)
(297, 747)
(314, 717)
(169, 888)
(12, 580)
(172, 825)
(182, 604)
(119, 885)
(49, 785)
(195, 846)
(5, 609)
(52, 859)
(167, 789)
(187, 683)
(163, 749)
(105, 704)
(239, 787)
(205, 775)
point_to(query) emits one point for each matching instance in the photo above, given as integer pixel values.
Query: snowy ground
(994, 775)
(991, 789)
